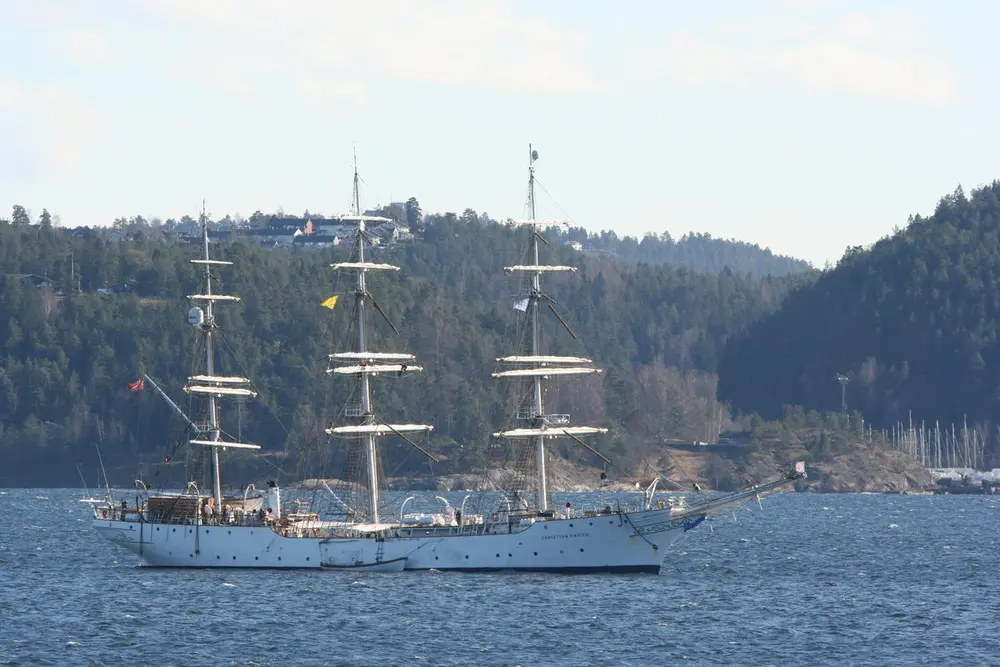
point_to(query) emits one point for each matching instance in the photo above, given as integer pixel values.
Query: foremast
(211, 386)
(364, 364)
(538, 366)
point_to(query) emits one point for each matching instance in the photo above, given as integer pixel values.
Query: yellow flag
(330, 303)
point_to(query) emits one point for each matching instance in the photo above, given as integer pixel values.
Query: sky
(806, 126)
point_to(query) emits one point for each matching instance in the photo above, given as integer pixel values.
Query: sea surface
(808, 580)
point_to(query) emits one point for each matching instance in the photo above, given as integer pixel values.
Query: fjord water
(810, 580)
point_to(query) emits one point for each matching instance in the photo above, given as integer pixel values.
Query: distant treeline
(69, 350)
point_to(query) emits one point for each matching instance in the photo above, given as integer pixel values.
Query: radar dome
(196, 317)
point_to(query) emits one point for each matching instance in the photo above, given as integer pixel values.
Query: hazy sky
(803, 125)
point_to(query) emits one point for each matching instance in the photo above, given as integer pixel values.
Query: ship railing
(251, 520)
(114, 513)
(526, 413)
(556, 419)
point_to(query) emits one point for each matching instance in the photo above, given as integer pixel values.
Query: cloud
(87, 46)
(883, 57)
(46, 12)
(330, 49)
(50, 123)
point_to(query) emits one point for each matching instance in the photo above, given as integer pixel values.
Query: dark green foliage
(913, 321)
(699, 252)
(19, 216)
(68, 354)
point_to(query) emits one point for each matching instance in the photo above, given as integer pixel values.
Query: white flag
(521, 305)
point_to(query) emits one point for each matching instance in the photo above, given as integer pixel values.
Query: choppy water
(811, 580)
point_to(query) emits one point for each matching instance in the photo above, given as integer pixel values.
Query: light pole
(843, 380)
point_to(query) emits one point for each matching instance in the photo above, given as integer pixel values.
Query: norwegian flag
(137, 386)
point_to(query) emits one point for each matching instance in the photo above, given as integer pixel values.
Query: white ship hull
(634, 542)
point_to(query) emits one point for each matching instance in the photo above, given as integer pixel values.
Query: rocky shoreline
(863, 469)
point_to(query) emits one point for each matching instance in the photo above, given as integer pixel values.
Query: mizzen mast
(538, 366)
(365, 364)
(210, 385)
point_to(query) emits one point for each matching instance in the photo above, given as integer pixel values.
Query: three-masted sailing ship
(362, 531)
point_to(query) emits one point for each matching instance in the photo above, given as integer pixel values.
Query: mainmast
(536, 290)
(542, 366)
(366, 398)
(364, 364)
(210, 385)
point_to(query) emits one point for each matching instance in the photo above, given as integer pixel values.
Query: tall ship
(506, 528)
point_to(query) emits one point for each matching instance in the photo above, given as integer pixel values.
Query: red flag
(138, 385)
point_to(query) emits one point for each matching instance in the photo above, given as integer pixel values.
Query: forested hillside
(699, 252)
(911, 323)
(69, 351)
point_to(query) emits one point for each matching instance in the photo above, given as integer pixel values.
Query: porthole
(581, 549)
(570, 525)
(466, 556)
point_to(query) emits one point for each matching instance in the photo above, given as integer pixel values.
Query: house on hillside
(335, 227)
(118, 235)
(78, 232)
(275, 237)
(315, 240)
(300, 232)
(319, 231)
(286, 223)
(36, 280)
(390, 232)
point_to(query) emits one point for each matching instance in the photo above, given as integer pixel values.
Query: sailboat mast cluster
(538, 366)
(182, 529)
